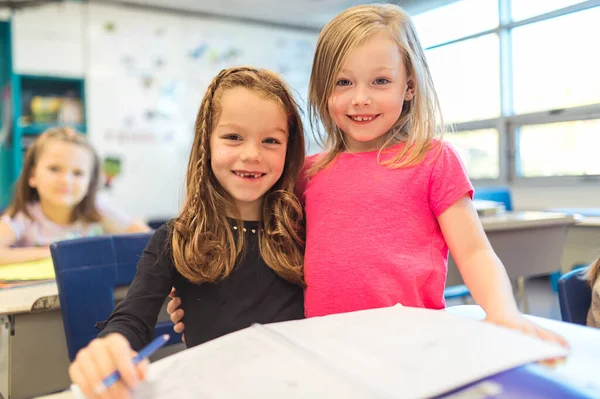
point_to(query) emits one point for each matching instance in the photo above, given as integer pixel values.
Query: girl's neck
(57, 214)
(375, 145)
(249, 211)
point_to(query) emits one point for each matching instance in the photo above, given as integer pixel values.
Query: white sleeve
(109, 210)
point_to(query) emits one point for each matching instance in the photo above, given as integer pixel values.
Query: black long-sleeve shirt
(252, 293)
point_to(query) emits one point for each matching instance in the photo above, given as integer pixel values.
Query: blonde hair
(204, 247)
(86, 209)
(421, 119)
(592, 273)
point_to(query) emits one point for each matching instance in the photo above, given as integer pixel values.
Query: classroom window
(523, 9)
(456, 20)
(479, 151)
(467, 78)
(559, 149)
(555, 62)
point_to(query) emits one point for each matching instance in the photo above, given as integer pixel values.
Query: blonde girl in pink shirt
(389, 197)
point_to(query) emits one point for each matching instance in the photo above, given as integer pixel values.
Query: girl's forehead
(64, 152)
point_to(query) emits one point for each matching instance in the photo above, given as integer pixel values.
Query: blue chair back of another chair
(87, 272)
(497, 194)
(574, 296)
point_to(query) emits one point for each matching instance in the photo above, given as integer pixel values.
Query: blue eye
(343, 82)
(381, 81)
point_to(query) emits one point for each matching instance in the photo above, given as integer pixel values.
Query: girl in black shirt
(234, 253)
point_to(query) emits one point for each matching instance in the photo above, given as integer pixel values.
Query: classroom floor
(543, 301)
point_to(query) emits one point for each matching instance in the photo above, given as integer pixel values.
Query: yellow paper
(36, 270)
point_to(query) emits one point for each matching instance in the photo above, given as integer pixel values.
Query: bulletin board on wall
(147, 72)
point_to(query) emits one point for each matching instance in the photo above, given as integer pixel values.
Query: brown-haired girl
(234, 253)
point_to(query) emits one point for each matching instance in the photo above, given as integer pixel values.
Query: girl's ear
(410, 89)
(32, 180)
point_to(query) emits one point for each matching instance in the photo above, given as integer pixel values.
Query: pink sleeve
(449, 181)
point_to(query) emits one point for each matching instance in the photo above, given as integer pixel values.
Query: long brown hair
(24, 194)
(204, 246)
(421, 119)
(593, 272)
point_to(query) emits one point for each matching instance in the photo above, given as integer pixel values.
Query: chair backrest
(87, 272)
(495, 193)
(574, 296)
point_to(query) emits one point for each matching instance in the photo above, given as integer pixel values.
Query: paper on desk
(36, 270)
(395, 352)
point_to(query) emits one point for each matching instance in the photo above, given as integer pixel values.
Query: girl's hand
(523, 324)
(99, 359)
(175, 313)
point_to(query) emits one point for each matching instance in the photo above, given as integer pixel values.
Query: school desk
(528, 244)
(583, 243)
(33, 353)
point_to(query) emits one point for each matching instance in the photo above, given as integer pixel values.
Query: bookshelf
(38, 103)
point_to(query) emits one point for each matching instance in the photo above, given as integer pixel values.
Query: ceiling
(307, 14)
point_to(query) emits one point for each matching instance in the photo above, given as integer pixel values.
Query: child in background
(55, 199)
(592, 275)
(234, 253)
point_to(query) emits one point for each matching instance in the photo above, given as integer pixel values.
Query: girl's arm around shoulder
(136, 316)
(8, 255)
(482, 270)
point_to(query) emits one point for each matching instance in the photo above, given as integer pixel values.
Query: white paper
(395, 352)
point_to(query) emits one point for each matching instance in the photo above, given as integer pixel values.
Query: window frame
(508, 123)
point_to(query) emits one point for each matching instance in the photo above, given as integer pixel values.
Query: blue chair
(87, 272)
(499, 194)
(156, 223)
(574, 296)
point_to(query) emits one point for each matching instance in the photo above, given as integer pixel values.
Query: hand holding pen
(109, 368)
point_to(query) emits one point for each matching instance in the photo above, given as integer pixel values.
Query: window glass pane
(553, 68)
(456, 20)
(523, 9)
(559, 149)
(467, 78)
(478, 150)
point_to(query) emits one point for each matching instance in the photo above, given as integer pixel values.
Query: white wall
(49, 40)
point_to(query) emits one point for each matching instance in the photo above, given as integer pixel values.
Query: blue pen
(144, 353)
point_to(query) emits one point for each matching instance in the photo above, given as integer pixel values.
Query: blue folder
(526, 382)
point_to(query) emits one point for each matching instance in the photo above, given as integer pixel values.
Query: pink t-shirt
(40, 231)
(373, 239)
